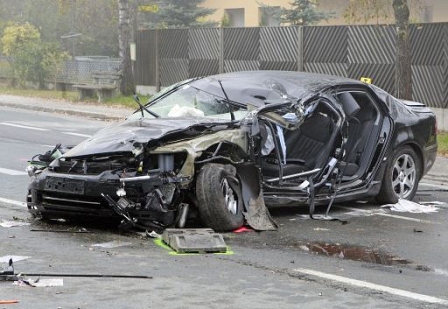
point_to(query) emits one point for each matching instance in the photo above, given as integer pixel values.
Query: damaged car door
(298, 148)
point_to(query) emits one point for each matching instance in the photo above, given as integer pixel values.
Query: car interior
(313, 148)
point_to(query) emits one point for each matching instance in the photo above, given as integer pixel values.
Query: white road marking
(373, 286)
(12, 202)
(404, 218)
(7, 171)
(23, 127)
(378, 212)
(434, 186)
(77, 134)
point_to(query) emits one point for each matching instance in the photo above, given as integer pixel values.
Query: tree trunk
(124, 38)
(403, 71)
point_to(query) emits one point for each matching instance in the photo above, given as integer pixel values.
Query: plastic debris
(40, 282)
(411, 207)
(5, 223)
(242, 230)
(320, 229)
(15, 258)
(9, 301)
(112, 244)
(153, 234)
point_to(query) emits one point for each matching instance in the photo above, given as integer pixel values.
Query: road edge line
(373, 286)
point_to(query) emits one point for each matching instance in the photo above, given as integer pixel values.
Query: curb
(63, 111)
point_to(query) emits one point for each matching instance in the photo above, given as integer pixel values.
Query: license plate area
(64, 185)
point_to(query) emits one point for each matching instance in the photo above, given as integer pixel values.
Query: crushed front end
(142, 188)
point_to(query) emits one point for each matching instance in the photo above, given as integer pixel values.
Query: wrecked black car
(222, 147)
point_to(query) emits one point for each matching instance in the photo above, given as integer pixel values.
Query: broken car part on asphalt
(220, 148)
(194, 240)
(8, 274)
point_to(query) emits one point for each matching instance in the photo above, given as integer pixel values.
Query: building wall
(430, 11)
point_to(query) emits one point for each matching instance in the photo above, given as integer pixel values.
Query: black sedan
(221, 148)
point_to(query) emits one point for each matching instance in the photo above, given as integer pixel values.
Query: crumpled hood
(123, 136)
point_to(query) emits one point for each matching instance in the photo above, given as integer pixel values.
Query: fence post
(157, 61)
(300, 49)
(221, 50)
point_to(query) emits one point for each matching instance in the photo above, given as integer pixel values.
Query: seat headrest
(349, 104)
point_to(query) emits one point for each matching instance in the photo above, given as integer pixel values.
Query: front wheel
(401, 176)
(220, 203)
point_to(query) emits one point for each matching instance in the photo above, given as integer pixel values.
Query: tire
(401, 177)
(220, 203)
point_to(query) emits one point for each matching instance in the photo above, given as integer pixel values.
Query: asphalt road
(376, 259)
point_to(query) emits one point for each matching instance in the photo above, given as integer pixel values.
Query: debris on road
(112, 244)
(80, 231)
(8, 274)
(411, 207)
(50, 282)
(243, 229)
(194, 240)
(8, 224)
(16, 258)
(7, 302)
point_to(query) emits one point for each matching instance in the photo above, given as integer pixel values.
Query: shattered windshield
(189, 101)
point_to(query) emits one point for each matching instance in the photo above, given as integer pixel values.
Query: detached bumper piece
(194, 240)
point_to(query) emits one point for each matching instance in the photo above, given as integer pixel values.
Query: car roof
(257, 87)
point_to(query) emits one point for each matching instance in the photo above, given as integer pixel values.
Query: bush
(31, 59)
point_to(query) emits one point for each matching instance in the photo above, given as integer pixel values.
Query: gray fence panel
(371, 53)
(325, 50)
(203, 51)
(173, 51)
(279, 48)
(351, 51)
(429, 76)
(241, 49)
(145, 65)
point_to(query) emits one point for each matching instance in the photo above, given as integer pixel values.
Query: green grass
(72, 96)
(442, 140)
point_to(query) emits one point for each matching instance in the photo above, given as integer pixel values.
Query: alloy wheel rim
(404, 176)
(229, 197)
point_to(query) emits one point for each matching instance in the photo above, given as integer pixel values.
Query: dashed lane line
(22, 126)
(373, 286)
(77, 134)
(10, 172)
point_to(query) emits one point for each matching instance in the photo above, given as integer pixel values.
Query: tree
(180, 14)
(95, 21)
(124, 39)
(304, 12)
(374, 10)
(31, 59)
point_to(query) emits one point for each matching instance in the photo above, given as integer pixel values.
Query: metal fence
(79, 69)
(171, 55)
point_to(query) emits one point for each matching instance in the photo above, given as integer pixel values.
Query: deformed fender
(256, 212)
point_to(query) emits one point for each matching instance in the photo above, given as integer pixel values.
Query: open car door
(297, 146)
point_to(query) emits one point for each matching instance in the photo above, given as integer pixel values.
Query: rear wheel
(220, 204)
(401, 176)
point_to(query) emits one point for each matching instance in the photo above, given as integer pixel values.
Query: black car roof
(256, 87)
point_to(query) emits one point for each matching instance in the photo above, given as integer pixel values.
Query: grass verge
(442, 140)
(71, 96)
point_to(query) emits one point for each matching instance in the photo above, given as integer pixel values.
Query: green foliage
(31, 59)
(180, 14)
(304, 12)
(225, 20)
(442, 140)
(16, 37)
(96, 21)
